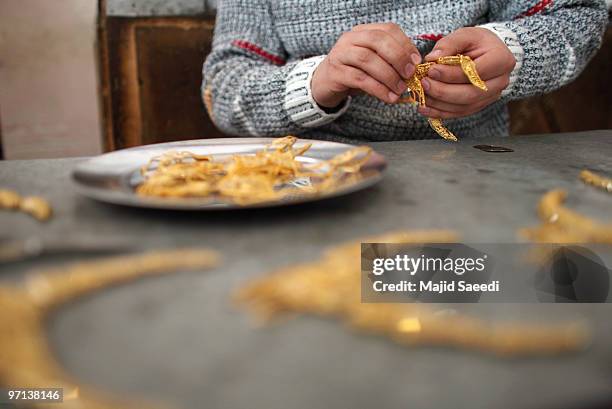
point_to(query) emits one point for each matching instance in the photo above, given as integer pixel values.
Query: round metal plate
(112, 177)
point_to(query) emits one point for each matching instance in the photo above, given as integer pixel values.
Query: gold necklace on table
(26, 361)
(328, 287)
(331, 287)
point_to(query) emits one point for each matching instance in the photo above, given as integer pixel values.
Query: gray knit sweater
(257, 77)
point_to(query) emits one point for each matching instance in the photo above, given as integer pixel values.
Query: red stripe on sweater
(430, 37)
(245, 45)
(538, 8)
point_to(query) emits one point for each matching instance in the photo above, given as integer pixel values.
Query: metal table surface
(178, 338)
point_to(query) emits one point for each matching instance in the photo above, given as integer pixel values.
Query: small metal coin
(492, 148)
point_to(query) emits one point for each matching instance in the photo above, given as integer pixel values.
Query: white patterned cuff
(299, 102)
(511, 40)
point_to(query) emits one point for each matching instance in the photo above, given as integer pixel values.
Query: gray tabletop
(177, 338)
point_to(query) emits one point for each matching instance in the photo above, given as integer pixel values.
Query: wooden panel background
(172, 90)
(151, 76)
(1, 151)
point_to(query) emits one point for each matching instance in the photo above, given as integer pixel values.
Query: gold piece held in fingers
(417, 93)
(468, 66)
(437, 126)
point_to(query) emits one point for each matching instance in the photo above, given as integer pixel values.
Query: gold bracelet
(417, 93)
(35, 206)
(596, 180)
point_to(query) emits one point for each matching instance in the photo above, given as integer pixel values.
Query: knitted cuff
(511, 40)
(299, 102)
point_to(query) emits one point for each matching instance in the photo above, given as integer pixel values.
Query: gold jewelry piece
(27, 361)
(596, 180)
(562, 225)
(417, 93)
(35, 206)
(268, 175)
(437, 126)
(331, 287)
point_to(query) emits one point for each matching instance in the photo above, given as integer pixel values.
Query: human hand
(372, 58)
(449, 92)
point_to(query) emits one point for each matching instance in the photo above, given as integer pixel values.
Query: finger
(445, 106)
(398, 34)
(494, 63)
(490, 65)
(370, 62)
(448, 74)
(455, 43)
(357, 79)
(436, 113)
(456, 108)
(386, 47)
(463, 94)
(431, 112)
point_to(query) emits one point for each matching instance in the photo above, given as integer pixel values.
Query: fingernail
(424, 110)
(393, 97)
(435, 54)
(409, 70)
(434, 74)
(401, 86)
(416, 59)
(426, 84)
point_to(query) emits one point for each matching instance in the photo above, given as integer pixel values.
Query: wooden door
(151, 69)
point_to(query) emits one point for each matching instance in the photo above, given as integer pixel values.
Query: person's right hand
(372, 58)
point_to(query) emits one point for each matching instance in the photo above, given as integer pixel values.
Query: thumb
(457, 42)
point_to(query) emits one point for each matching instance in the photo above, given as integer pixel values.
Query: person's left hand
(449, 92)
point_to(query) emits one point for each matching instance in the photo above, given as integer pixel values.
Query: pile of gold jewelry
(26, 360)
(563, 225)
(417, 93)
(596, 180)
(35, 206)
(331, 287)
(272, 174)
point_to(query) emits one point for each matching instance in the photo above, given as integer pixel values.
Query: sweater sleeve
(248, 87)
(552, 40)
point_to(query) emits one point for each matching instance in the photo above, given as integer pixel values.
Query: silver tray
(112, 177)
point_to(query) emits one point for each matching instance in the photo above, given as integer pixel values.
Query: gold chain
(25, 357)
(417, 93)
(331, 287)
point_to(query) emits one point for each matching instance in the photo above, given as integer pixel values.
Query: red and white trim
(539, 7)
(257, 50)
(430, 37)
(300, 105)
